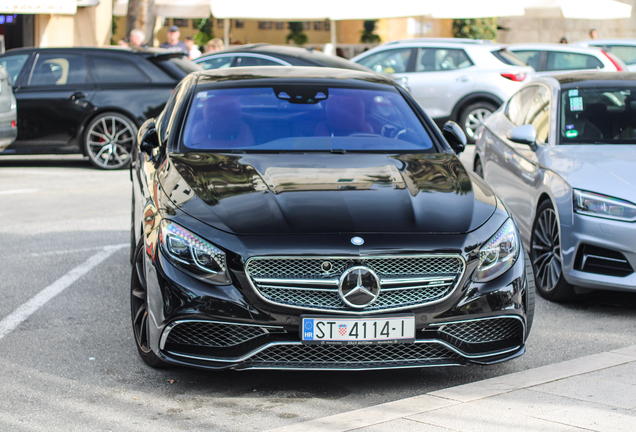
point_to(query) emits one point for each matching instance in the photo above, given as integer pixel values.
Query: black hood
(320, 193)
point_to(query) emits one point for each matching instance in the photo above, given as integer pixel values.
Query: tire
(530, 293)
(478, 168)
(139, 310)
(472, 116)
(109, 140)
(545, 255)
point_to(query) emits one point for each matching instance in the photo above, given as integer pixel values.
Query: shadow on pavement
(71, 161)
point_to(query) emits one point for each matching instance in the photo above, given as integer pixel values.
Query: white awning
(171, 8)
(65, 7)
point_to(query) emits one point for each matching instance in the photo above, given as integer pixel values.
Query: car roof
(590, 79)
(440, 42)
(292, 73)
(146, 52)
(606, 41)
(554, 47)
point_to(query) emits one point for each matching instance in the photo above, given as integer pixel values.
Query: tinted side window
(167, 113)
(217, 62)
(254, 61)
(13, 65)
(389, 61)
(624, 52)
(113, 70)
(441, 59)
(539, 113)
(518, 105)
(531, 58)
(58, 70)
(571, 61)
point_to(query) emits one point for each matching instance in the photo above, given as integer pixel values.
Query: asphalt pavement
(68, 360)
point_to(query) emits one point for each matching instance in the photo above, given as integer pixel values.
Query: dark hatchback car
(314, 218)
(273, 55)
(89, 100)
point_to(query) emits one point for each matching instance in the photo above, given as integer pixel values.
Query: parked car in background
(315, 218)
(8, 116)
(548, 58)
(561, 154)
(624, 49)
(89, 100)
(452, 79)
(272, 55)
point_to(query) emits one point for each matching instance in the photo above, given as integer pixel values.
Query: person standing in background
(215, 44)
(593, 34)
(563, 40)
(173, 43)
(137, 38)
(192, 48)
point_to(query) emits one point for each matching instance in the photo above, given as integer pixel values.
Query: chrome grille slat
(352, 356)
(484, 330)
(407, 281)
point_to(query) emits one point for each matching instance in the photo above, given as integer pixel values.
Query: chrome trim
(167, 329)
(459, 277)
(330, 290)
(523, 323)
(396, 281)
(271, 344)
(329, 281)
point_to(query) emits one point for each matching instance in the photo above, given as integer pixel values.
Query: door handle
(77, 95)
(463, 79)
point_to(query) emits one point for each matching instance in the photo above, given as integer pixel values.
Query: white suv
(462, 80)
(624, 49)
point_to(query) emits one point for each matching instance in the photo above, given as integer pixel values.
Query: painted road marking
(18, 191)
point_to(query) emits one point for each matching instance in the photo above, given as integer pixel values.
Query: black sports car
(89, 100)
(299, 218)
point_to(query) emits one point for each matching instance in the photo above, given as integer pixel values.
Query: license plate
(352, 331)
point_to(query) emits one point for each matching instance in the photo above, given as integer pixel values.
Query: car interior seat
(44, 75)
(221, 125)
(345, 116)
(577, 121)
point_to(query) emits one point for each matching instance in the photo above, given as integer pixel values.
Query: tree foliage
(206, 32)
(367, 35)
(479, 28)
(296, 33)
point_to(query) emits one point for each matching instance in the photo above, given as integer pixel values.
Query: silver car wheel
(474, 119)
(546, 250)
(109, 141)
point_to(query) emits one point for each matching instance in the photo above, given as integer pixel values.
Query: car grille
(352, 356)
(212, 334)
(310, 284)
(484, 330)
(603, 261)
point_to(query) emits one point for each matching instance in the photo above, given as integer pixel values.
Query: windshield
(303, 118)
(598, 116)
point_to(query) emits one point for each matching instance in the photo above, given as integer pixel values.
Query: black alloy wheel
(545, 254)
(139, 310)
(473, 116)
(109, 140)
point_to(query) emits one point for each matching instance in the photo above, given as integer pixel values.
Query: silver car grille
(308, 283)
(484, 330)
(352, 356)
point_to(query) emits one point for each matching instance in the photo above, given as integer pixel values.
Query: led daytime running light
(498, 254)
(592, 204)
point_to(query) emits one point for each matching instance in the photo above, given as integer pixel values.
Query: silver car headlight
(593, 204)
(193, 254)
(498, 254)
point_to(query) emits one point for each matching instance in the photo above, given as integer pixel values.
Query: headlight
(498, 254)
(592, 204)
(192, 254)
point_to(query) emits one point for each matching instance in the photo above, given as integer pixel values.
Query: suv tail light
(620, 67)
(517, 77)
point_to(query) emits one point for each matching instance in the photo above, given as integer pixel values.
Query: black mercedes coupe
(316, 218)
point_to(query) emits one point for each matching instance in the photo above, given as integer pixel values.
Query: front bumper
(615, 236)
(231, 327)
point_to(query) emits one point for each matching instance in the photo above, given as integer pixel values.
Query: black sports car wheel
(545, 253)
(139, 310)
(109, 140)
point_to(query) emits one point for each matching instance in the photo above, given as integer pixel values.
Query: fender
(474, 97)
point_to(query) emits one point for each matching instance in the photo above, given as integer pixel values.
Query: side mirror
(149, 137)
(524, 134)
(455, 136)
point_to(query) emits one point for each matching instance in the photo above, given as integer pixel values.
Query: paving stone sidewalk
(594, 393)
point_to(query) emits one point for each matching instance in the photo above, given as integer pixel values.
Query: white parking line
(18, 316)
(18, 191)
(62, 252)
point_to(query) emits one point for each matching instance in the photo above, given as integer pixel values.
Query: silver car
(8, 111)
(462, 80)
(561, 153)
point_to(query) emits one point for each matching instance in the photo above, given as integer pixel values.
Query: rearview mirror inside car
(455, 136)
(149, 137)
(524, 134)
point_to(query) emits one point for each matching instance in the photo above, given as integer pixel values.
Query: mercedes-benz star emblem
(359, 287)
(357, 241)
